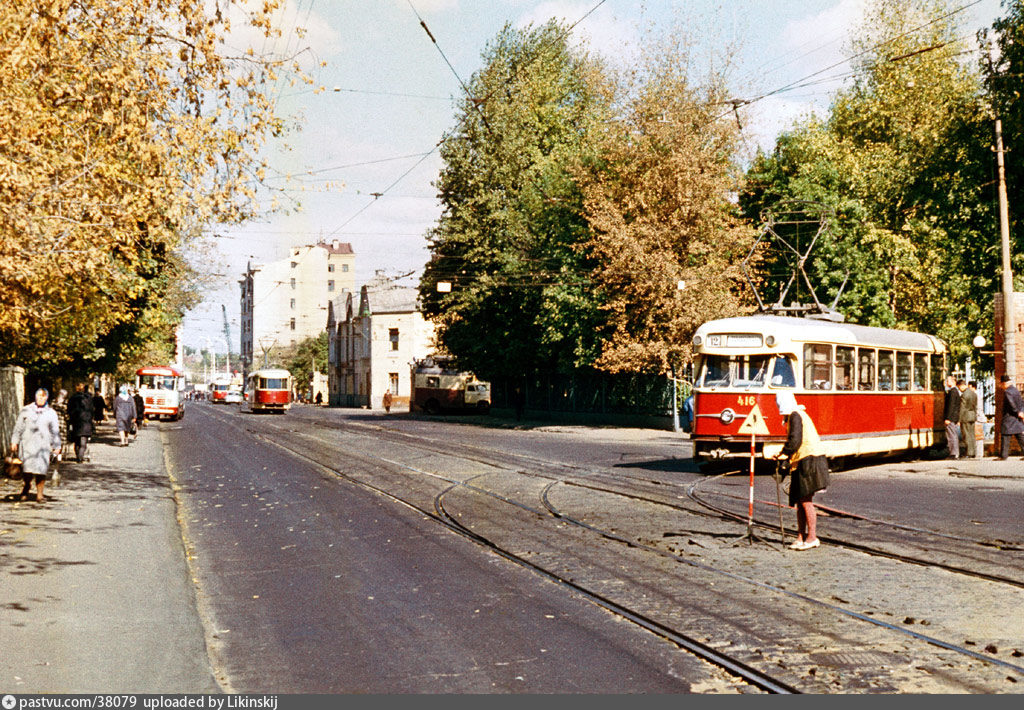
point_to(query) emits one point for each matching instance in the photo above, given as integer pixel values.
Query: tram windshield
(746, 371)
(273, 383)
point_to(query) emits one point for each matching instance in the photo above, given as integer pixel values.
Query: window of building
(330, 285)
(330, 268)
(393, 337)
(294, 264)
(293, 283)
(292, 324)
(292, 304)
(344, 268)
(393, 382)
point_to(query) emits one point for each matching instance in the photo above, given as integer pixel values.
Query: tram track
(745, 672)
(978, 546)
(441, 514)
(987, 556)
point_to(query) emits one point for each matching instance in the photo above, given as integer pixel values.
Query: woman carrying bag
(36, 441)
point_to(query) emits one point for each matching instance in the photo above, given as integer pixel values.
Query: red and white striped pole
(750, 506)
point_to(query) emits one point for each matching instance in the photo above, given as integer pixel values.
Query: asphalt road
(311, 584)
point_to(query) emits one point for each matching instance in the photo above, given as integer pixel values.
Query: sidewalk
(96, 592)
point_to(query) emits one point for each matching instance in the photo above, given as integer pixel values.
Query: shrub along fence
(600, 395)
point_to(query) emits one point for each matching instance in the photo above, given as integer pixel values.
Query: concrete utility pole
(1009, 325)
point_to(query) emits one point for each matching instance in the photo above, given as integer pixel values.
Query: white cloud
(603, 31)
(299, 28)
(429, 6)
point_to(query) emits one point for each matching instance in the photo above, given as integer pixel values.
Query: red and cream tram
(868, 390)
(269, 390)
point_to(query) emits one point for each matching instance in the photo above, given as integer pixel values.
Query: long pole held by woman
(808, 466)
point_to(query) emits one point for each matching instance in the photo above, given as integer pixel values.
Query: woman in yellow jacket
(809, 466)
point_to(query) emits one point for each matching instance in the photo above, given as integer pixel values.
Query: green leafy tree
(1004, 82)
(508, 238)
(901, 161)
(303, 357)
(657, 203)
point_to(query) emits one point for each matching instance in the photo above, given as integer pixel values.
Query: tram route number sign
(754, 423)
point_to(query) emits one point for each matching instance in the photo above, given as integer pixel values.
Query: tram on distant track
(269, 390)
(868, 390)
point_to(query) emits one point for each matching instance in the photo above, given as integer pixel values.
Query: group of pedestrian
(959, 414)
(37, 440)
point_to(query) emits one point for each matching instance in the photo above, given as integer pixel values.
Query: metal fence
(587, 393)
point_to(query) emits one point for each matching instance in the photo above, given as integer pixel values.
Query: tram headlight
(727, 416)
(770, 341)
(697, 340)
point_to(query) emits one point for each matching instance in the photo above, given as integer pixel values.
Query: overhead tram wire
(378, 195)
(800, 83)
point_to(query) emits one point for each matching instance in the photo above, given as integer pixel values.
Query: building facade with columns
(284, 302)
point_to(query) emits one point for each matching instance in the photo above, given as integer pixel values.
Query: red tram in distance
(868, 390)
(269, 390)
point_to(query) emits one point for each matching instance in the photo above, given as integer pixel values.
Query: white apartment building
(285, 301)
(374, 337)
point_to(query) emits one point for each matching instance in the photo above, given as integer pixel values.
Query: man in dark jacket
(80, 426)
(951, 417)
(98, 405)
(1013, 418)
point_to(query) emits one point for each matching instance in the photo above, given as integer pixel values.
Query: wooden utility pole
(1009, 326)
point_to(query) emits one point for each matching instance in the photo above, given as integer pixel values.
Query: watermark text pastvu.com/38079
(143, 702)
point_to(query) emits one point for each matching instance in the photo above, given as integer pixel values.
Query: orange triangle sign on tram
(754, 423)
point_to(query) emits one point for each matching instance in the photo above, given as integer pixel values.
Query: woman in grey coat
(35, 440)
(124, 413)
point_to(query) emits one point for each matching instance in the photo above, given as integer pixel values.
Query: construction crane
(227, 340)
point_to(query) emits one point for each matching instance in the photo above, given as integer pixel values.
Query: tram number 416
(748, 400)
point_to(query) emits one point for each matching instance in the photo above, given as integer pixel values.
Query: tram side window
(865, 369)
(936, 378)
(920, 372)
(903, 372)
(885, 370)
(782, 372)
(845, 374)
(817, 366)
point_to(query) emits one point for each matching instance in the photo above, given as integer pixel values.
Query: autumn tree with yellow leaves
(127, 126)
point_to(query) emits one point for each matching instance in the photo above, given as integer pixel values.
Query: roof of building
(336, 247)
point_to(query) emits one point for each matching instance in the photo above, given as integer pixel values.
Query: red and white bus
(868, 390)
(162, 390)
(269, 390)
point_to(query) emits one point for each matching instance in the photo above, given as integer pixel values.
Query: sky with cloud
(361, 168)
